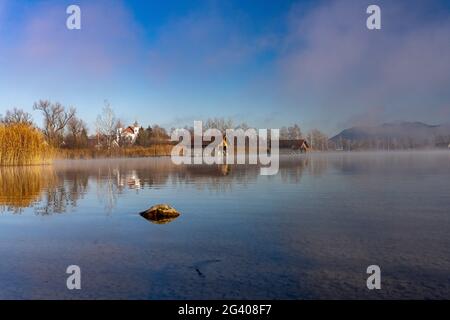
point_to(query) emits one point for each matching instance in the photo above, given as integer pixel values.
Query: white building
(128, 134)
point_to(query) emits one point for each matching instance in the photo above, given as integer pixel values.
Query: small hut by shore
(298, 144)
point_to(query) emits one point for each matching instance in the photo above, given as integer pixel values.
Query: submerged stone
(160, 214)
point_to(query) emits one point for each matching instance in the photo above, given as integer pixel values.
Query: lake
(309, 232)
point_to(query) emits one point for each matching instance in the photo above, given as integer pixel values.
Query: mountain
(395, 135)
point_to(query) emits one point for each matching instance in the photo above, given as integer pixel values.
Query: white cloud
(333, 63)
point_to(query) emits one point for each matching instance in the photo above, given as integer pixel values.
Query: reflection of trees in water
(41, 187)
(216, 178)
(56, 189)
(108, 187)
(21, 187)
(59, 197)
(293, 167)
(318, 164)
(292, 171)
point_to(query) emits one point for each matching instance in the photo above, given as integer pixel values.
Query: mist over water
(308, 232)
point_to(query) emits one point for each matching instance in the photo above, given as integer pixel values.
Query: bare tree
(244, 126)
(317, 140)
(294, 132)
(159, 133)
(190, 129)
(76, 133)
(221, 124)
(106, 125)
(56, 118)
(284, 134)
(17, 116)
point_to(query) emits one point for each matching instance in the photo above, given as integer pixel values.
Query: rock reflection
(158, 221)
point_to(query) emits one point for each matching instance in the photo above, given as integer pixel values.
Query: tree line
(62, 128)
(315, 138)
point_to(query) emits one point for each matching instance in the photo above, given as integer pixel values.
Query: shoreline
(149, 152)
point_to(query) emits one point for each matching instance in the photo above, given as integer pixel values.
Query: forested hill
(394, 135)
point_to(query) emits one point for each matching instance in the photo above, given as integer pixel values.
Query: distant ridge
(395, 135)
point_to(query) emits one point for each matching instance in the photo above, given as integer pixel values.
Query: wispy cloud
(108, 39)
(333, 62)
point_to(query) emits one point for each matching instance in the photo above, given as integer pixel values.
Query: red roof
(128, 130)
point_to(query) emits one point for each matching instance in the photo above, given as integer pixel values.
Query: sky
(268, 63)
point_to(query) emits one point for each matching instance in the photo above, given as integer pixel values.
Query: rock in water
(160, 213)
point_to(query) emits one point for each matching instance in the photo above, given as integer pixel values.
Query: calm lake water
(308, 232)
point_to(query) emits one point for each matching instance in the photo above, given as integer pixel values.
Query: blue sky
(268, 63)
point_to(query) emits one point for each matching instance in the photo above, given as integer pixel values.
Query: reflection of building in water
(218, 178)
(131, 180)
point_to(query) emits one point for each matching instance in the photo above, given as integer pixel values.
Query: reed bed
(22, 144)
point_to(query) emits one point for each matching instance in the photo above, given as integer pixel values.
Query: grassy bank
(22, 144)
(125, 152)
